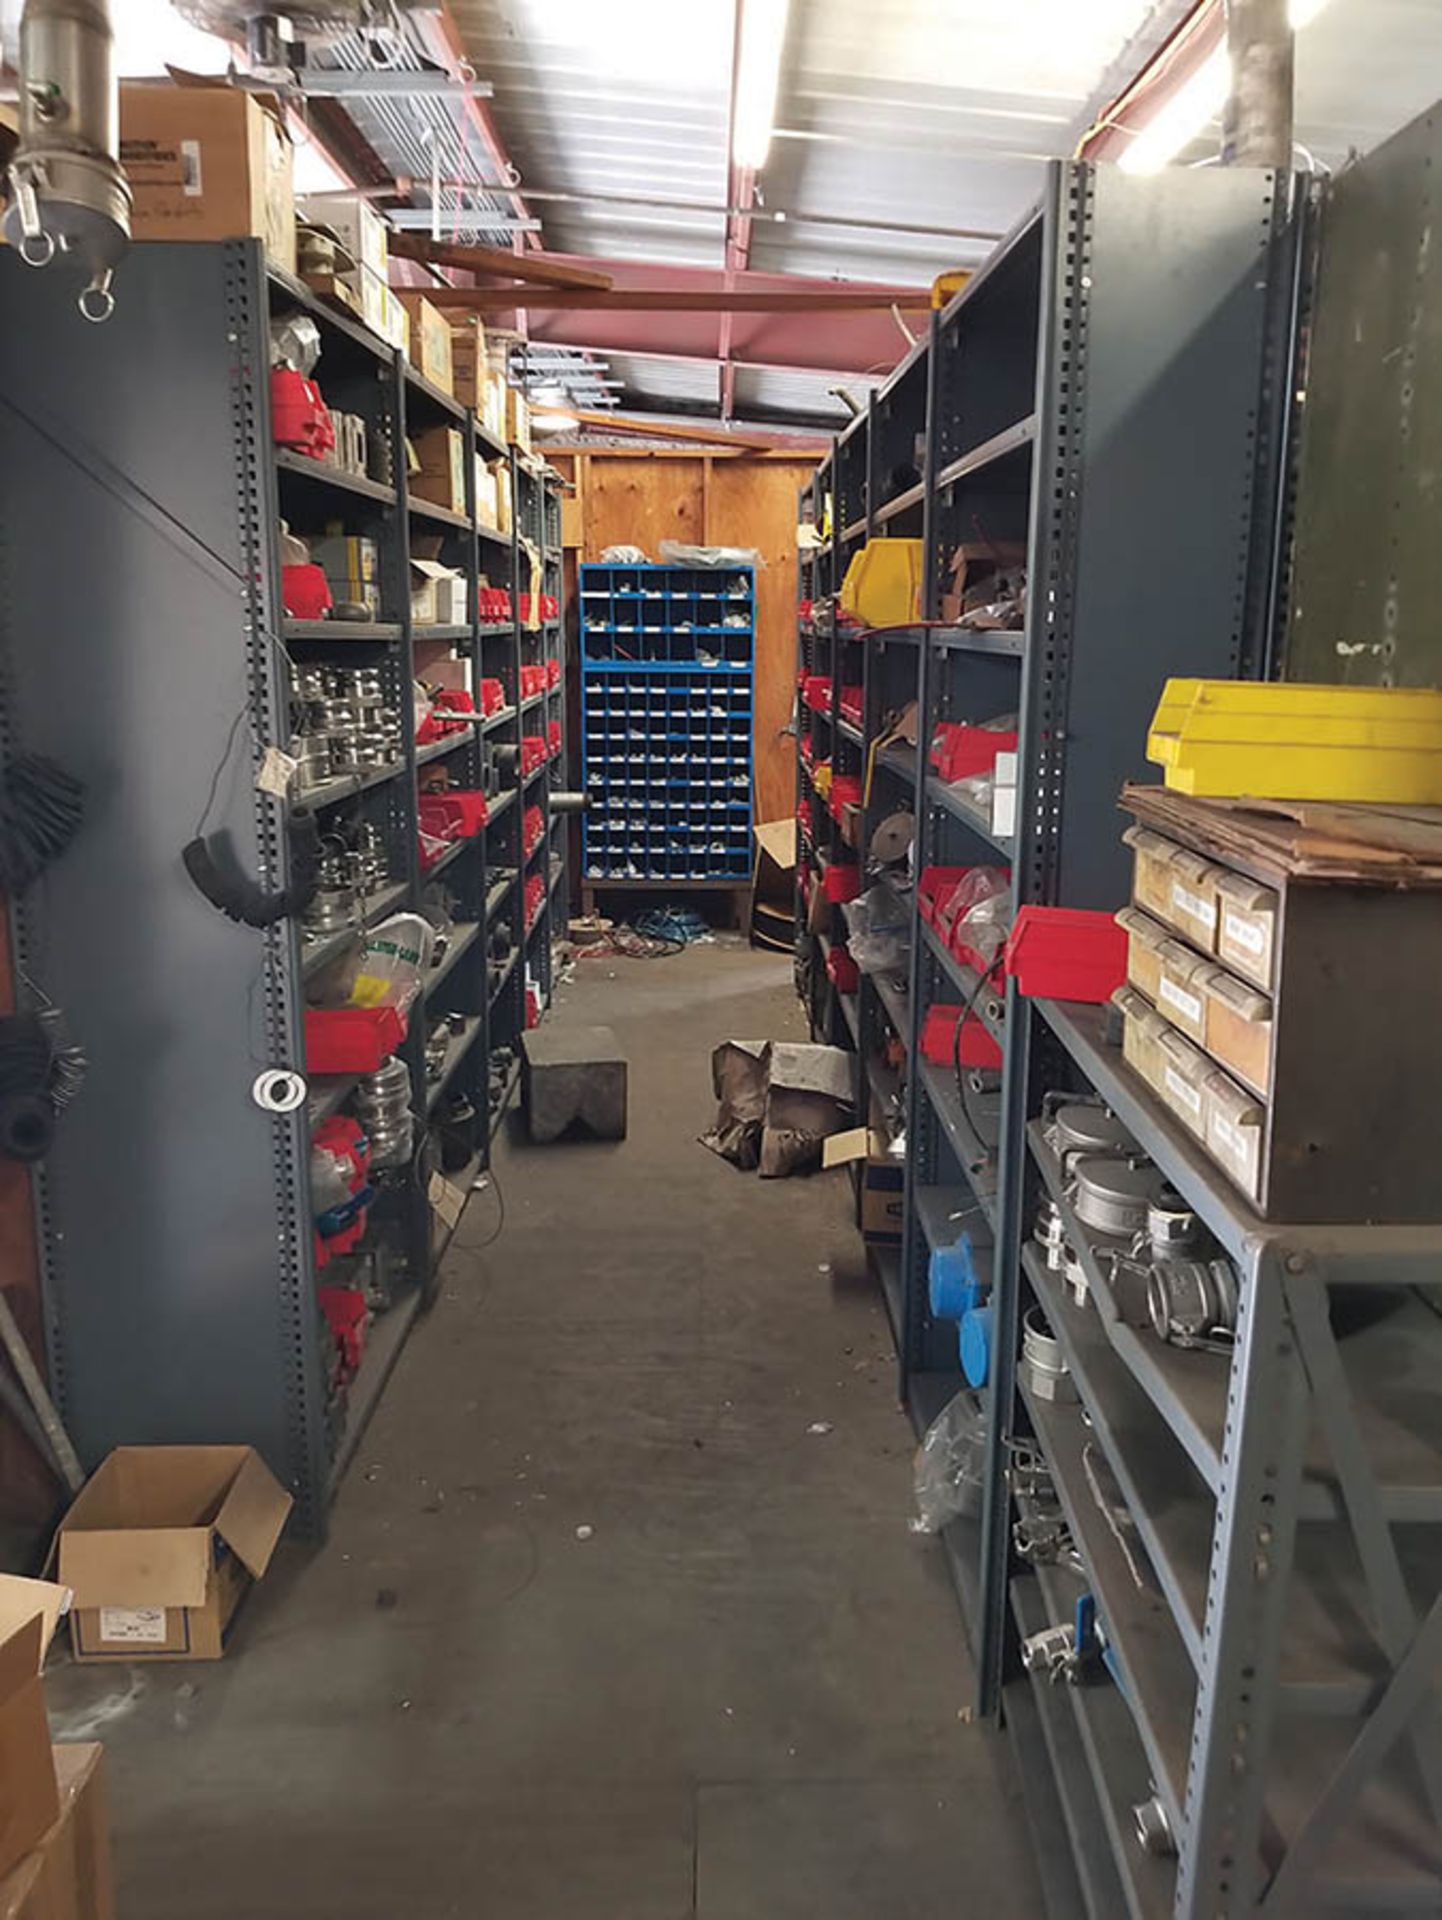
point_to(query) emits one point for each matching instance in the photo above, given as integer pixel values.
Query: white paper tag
(192, 184)
(1186, 1004)
(274, 772)
(142, 1626)
(1190, 1098)
(1245, 934)
(448, 1200)
(1204, 912)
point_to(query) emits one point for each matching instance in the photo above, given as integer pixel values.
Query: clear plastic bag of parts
(949, 1465)
(877, 931)
(676, 553)
(979, 909)
(394, 961)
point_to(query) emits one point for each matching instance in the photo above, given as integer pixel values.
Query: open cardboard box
(161, 1546)
(883, 1178)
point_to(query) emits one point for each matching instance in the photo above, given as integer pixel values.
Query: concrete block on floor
(573, 1079)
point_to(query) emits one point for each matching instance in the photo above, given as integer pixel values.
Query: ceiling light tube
(761, 42)
(1194, 105)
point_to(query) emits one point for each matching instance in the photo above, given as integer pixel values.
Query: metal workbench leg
(1258, 1496)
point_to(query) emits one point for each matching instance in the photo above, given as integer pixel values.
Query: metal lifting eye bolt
(67, 192)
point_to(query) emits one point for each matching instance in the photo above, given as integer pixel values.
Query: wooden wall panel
(753, 504)
(642, 499)
(640, 502)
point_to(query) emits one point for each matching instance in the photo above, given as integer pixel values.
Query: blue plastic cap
(975, 1344)
(954, 1288)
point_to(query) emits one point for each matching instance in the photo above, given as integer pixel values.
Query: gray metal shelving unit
(1112, 390)
(145, 648)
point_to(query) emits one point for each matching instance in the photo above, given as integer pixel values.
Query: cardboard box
(161, 1546)
(487, 500)
(356, 224)
(29, 1797)
(883, 1179)
(518, 419)
(502, 521)
(438, 472)
(208, 163)
(469, 365)
(68, 1875)
(430, 348)
(493, 408)
(438, 594)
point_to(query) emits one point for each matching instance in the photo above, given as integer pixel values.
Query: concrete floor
(741, 1697)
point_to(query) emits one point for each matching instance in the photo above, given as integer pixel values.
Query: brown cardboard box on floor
(208, 163)
(68, 1875)
(160, 1547)
(29, 1799)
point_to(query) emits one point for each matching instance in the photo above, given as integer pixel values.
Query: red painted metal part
(866, 342)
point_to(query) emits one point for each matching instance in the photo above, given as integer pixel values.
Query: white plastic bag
(877, 931)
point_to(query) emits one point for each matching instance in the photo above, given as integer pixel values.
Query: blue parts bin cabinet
(668, 672)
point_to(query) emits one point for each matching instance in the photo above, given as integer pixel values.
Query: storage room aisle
(603, 1630)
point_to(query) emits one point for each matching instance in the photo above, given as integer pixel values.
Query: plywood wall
(729, 500)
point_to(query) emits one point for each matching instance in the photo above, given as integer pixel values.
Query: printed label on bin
(144, 1626)
(1230, 1139)
(1203, 911)
(1245, 934)
(1190, 1098)
(1187, 1004)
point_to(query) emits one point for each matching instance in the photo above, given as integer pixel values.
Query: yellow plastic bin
(882, 587)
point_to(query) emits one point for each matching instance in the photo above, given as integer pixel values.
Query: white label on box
(143, 1626)
(1192, 904)
(190, 176)
(1186, 1004)
(1231, 1140)
(1245, 934)
(1190, 1098)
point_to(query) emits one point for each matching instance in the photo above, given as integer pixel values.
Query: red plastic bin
(842, 881)
(938, 1039)
(1066, 953)
(351, 1039)
(959, 749)
(843, 970)
(845, 791)
(935, 888)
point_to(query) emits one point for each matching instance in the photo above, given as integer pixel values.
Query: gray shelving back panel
(1176, 287)
(172, 1284)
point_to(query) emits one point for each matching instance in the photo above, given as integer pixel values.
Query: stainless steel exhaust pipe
(67, 192)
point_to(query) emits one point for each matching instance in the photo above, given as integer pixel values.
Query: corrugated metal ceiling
(907, 131)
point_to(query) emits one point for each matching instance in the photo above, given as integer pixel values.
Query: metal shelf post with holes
(1104, 409)
(185, 1277)
(668, 676)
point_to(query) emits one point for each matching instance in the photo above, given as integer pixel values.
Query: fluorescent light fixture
(1194, 105)
(758, 76)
